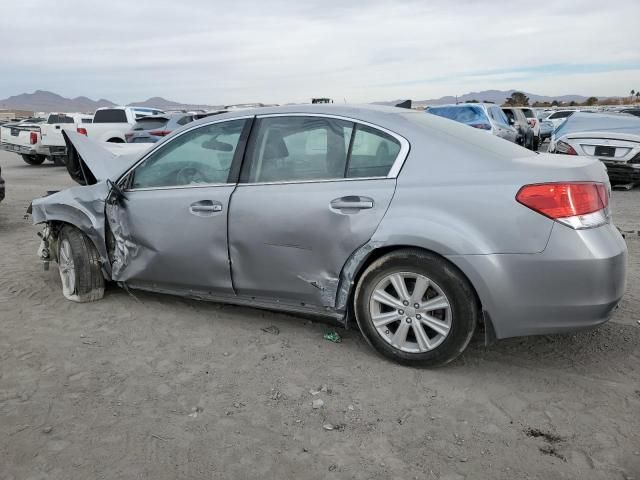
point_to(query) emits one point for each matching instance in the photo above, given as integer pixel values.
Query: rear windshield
(110, 116)
(466, 114)
(146, 123)
(59, 119)
(87, 120)
(561, 114)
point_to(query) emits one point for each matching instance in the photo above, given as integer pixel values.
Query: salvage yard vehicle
(519, 121)
(418, 227)
(612, 138)
(482, 116)
(38, 141)
(546, 129)
(534, 123)
(152, 128)
(558, 116)
(110, 124)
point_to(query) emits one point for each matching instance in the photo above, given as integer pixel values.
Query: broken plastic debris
(272, 329)
(317, 403)
(333, 336)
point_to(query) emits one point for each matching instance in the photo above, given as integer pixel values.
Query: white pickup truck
(36, 142)
(111, 123)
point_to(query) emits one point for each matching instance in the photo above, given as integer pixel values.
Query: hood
(89, 162)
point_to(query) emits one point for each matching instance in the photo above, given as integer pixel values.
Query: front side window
(299, 148)
(199, 157)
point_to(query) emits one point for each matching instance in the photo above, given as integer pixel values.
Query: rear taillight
(81, 130)
(532, 122)
(160, 133)
(565, 148)
(575, 204)
(481, 126)
(33, 138)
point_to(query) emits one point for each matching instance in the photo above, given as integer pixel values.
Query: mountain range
(495, 96)
(43, 101)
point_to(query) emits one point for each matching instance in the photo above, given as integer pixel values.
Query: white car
(559, 116)
(38, 141)
(614, 139)
(111, 123)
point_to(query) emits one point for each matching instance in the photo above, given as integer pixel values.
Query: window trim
(242, 142)
(394, 171)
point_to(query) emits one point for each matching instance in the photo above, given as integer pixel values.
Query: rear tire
(79, 267)
(59, 161)
(435, 333)
(536, 143)
(115, 140)
(33, 159)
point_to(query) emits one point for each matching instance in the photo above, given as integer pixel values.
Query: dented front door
(170, 233)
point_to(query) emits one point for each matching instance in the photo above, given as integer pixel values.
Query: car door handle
(352, 202)
(205, 207)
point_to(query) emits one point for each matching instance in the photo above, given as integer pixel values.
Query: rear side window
(299, 148)
(184, 120)
(468, 115)
(317, 148)
(372, 153)
(528, 113)
(150, 123)
(110, 116)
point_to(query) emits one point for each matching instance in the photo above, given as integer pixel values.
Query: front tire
(416, 308)
(33, 159)
(79, 267)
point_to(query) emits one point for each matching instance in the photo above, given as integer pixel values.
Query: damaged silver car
(417, 227)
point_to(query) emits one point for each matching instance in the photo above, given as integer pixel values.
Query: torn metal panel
(349, 272)
(82, 207)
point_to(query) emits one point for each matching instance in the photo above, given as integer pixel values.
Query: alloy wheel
(410, 312)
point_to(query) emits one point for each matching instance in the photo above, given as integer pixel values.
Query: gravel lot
(157, 387)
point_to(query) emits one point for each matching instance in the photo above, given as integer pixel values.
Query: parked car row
(37, 140)
(515, 124)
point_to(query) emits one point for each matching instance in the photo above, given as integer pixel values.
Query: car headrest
(275, 146)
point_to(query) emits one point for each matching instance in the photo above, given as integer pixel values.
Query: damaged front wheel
(79, 266)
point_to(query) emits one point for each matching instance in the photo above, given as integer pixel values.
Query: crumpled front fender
(84, 208)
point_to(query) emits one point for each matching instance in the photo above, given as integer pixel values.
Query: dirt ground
(157, 387)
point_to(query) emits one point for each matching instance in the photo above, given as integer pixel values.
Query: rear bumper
(19, 149)
(622, 172)
(573, 284)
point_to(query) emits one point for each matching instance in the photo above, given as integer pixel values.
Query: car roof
(460, 105)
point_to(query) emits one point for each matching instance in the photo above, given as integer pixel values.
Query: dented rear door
(289, 235)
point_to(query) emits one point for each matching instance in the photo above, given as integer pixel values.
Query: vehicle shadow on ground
(595, 350)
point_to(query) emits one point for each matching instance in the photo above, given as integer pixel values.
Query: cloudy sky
(221, 51)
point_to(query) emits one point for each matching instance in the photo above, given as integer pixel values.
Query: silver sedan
(416, 227)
